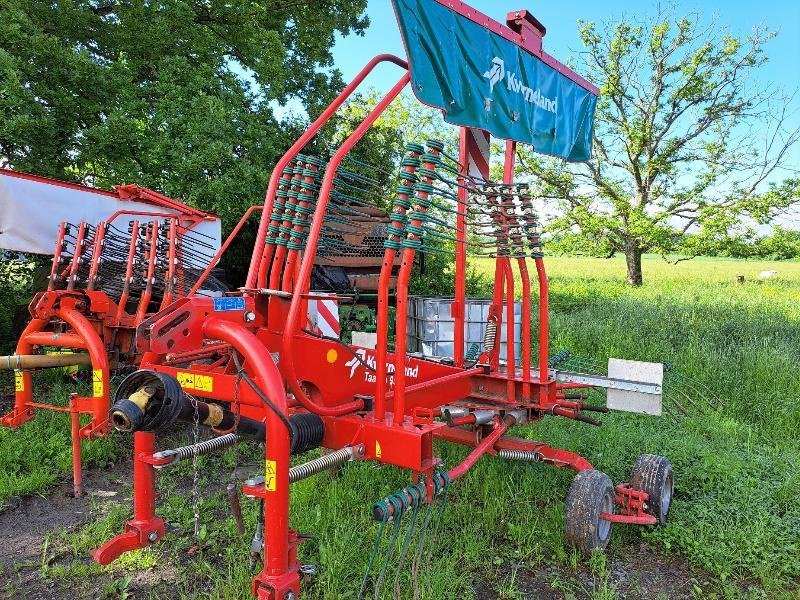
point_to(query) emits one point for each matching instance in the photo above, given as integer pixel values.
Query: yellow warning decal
(377, 449)
(19, 382)
(97, 383)
(204, 383)
(193, 381)
(270, 476)
(186, 380)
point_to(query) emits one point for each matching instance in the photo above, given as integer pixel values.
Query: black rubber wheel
(653, 474)
(590, 494)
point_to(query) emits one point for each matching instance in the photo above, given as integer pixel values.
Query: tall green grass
(38, 455)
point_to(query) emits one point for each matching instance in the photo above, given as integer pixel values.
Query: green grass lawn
(736, 513)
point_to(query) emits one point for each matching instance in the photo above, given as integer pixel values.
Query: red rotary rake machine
(105, 279)
(247, 365)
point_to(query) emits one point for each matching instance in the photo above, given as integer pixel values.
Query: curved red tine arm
(309, 255)
(297, 146)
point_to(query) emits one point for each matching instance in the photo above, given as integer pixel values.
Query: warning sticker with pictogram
(270, 476)
(97, 383)
(19, 382)
(193, 381)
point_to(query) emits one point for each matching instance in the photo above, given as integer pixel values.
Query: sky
(561, 40)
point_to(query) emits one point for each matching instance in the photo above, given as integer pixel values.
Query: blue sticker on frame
(228, 303)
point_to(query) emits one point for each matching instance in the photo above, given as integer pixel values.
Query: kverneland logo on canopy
(498, 72)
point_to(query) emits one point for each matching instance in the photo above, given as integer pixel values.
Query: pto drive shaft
(43, 361)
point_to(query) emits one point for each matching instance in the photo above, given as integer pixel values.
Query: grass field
(736, 514)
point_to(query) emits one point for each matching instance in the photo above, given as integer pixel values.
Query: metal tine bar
(350, 159)
(193, 232)
(339, 199)
(343, 182)
(353, 174)
(345, 174)
(346, 208)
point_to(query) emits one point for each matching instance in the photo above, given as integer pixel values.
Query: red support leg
(23, 381)
(280, 574)
(75, 422)
(145, 528)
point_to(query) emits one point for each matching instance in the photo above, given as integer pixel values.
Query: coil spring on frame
(522, 455)
(199, 449)
(490, 336)
(328, 461)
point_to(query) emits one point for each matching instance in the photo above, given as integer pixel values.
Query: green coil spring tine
(435, 144)
(358, 177)
(417, 496)
(430, 158)
(316, 161)
(415, 562)
(441, 487)
(399, 508)
(399, 217)
(429, 173)
(375, 548)
(439, 235)
(417, 230)
(432, 219)
(364, 164)
(436, 250)
(392, 244)
(416, 148)
(409, 177)
(405, 189)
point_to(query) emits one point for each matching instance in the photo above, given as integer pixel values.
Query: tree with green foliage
(177, 95)
(685, 140)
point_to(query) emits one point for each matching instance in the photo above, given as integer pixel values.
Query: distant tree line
(781, 244)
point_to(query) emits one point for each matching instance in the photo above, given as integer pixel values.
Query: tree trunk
(633, 259)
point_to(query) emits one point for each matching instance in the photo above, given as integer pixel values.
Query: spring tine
(236, 506)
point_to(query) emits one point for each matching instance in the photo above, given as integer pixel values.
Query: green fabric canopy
(479, 79)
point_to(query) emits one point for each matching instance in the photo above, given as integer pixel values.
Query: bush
(16, 280)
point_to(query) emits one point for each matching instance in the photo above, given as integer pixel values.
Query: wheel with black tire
(653, 474)
(590, 495)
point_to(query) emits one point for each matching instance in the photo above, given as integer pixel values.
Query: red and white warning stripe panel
(323, 316)
(478, 153)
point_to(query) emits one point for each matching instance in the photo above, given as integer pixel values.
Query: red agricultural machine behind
(246, 364)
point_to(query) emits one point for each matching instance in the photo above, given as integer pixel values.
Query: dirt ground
(24, 527)
(25, 524)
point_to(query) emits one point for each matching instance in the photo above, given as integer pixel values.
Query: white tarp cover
(32, 208)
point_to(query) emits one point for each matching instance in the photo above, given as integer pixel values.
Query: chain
(196, 479)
